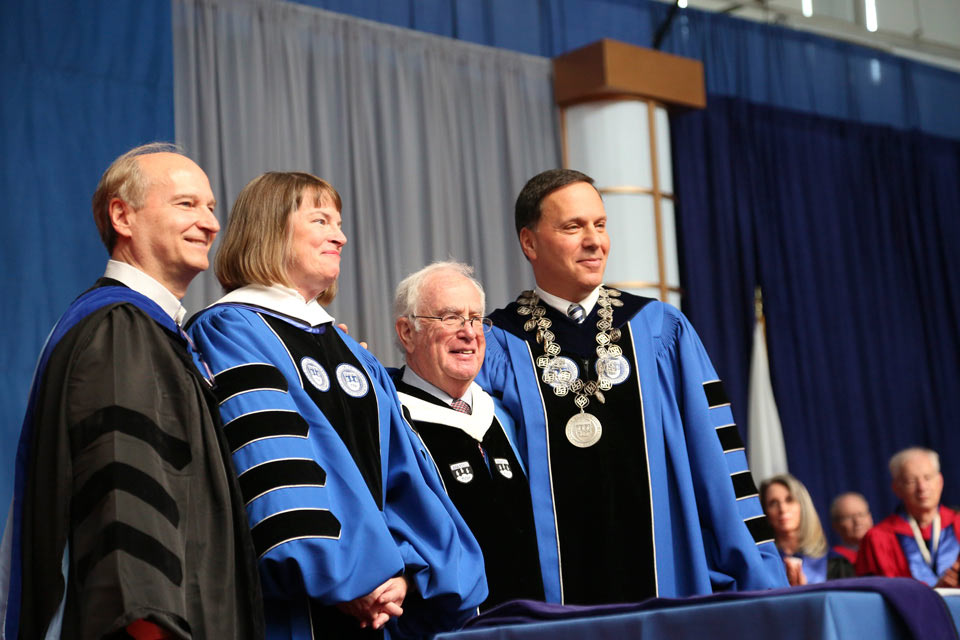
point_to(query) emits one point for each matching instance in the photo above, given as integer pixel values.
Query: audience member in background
(440, 327)
(351, 522)
(919, 540)
(851, 519)
(798, 533)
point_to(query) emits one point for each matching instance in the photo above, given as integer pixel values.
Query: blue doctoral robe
(343, 536)
(709, 531)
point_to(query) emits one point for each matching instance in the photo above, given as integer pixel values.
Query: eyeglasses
(455, 321)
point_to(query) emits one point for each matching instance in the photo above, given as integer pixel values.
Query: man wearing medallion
(441, 329)
(920, 539)
(638, 478)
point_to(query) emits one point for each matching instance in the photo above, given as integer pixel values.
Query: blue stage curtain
(83, 80)
(852, 231)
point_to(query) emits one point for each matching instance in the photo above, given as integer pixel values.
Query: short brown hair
(526, 212)
(256, 244)
(123, 179)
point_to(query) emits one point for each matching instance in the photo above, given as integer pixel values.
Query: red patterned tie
(461, 406)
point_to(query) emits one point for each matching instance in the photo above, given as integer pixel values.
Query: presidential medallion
(584, 430)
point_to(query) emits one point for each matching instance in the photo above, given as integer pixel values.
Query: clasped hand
(377, 607)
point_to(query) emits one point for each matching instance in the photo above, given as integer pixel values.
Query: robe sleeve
(737, 538)
(316, 528)
(129, 409)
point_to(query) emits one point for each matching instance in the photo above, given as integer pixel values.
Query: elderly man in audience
(920, 539)
(851, 519)
(441, 329)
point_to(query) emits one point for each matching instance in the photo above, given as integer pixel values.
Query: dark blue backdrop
(852, 231)
(82, 82)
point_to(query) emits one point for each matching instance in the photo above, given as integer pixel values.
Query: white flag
(765, 451)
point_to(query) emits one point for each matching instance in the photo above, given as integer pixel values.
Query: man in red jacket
(920, 539)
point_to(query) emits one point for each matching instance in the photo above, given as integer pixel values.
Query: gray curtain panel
(427, 139)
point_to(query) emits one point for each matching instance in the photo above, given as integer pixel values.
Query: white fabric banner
(765, 451)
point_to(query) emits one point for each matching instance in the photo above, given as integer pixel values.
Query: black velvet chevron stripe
(248, 377)
(729, 438)
(743, 484)
(264, 424)
(293, 525)
(716, 394)
(118, 536)
(277, 474)
(760, 529)
(172, 450)
(118, 476)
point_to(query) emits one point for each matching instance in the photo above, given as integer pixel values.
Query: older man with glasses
(441, 330)
(920, 539)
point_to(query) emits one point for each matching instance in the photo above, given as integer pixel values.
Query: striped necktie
(576, 313)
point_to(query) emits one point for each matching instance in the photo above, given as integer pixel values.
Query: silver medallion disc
(584, 430)
(616, 369)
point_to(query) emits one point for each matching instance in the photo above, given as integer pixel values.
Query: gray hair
(406, 300)
(896, 462)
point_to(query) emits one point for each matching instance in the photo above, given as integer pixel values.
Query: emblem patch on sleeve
(503, 466)
(315, 373)
(352, 380)
(462, 472)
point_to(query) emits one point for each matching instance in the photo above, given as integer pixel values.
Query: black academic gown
(487, 484)
(125, 486)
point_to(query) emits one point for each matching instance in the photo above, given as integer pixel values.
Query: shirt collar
(280, 298)
(414, 380)
(140, 282)
(562, 305)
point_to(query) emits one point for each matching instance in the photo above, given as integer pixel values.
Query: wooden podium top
(611, 69)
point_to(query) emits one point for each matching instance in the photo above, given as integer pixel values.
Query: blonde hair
(810, 538)
(256, 244)
(124, 179)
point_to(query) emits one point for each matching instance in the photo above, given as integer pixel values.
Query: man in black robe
(127, 519)
(440, 327)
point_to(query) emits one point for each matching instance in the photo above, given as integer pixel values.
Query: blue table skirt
(804, 616)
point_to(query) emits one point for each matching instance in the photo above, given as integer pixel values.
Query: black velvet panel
(119, 536)
(291, 525)
(172, 450)
(278, 474)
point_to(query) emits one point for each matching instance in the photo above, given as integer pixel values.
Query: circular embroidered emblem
(315, 374)
(561, 372)
(352, 380)
(615, 369)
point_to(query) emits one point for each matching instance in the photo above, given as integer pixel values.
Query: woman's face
(782, 509)
(315, 245)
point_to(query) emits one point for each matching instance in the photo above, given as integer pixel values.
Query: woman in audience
(351, 523)
(797, 532)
